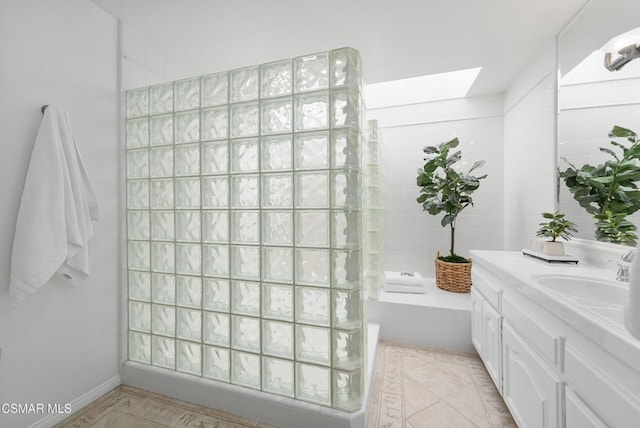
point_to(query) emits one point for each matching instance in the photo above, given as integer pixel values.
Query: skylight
(433, 87)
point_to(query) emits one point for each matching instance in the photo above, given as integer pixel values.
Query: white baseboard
(77, 404)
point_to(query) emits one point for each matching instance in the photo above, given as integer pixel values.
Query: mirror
(591, 99)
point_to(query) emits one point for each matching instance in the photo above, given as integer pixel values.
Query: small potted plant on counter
(444, 189)
(557, 227)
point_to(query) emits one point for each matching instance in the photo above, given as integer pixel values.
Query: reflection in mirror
(592, 99)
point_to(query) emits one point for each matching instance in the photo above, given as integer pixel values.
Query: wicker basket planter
(455, 277)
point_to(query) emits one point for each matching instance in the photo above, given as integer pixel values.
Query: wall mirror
(592, 99)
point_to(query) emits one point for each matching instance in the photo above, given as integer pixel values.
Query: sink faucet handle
(628, 256)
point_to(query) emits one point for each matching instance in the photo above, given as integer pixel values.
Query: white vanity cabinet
(486, 335)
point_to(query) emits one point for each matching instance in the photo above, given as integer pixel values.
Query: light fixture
(627, 45)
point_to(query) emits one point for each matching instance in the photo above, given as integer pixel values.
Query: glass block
(162, 193)
(215, 227)
(187, 160)
(189, 357)
(277, 339)
(189, 324)
(138, 102)
(313, 384)
(312, 228)
(215, 260)
(161, 130)
(347, 390)
(215, 192)
(245, 298)
(345, 146)
(138, 194)
(345, 229)
(138, 225)
(162, 225)
(245, 262)
(277, 264)
(188, 226)
(139, 255)
(373, 196)
(140, 316)
(313, 344)
(216, 363)
(245, 369)
(277, 227)
(347, 349)
(216, 329)
(164, 352)
(215, 89)
(312, 190)
(161, 97)
(215, 157)
(346, 109)
(312, 306)
(188, 259)
(245, 227)
(245, 333)
(138, 132)
(164, 320)
(244, 120)
(346, 190)
(216, 295)
(311, 72)
(139, 286)
(347, 309)
(244, 84)
(277, 190)
(276, 116)
(139, 347)
(346, 269)
(189, 290)
(187, 127)
(138, 163)
(164, 288)
(277, 376)
(276, 153)
(162, 257)
(187, 193)
(244, 191)
(215, 123)
(161, 162)
(244, 155)
(312, 151)
(277, 302)
(312, 267)
(374, 218)
(276, 78)
(187, 94)
(312, 111)
(346, 68)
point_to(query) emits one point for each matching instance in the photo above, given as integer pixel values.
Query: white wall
(412, 237)
(530, 148)
(61, 342)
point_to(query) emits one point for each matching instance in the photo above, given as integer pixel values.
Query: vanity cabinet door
(530, 388)
(492, 331)
(477, 336)
(578, 413)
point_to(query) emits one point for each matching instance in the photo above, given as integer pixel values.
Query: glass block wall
(244, 219)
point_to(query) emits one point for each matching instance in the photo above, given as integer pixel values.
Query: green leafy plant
(445, 190)
(557, 227)
(608, 191)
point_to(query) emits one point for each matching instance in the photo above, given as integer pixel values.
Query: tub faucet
(623, 268)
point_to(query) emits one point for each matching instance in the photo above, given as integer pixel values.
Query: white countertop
(518, 271)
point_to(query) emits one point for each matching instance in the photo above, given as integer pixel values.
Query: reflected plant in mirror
(609, 191)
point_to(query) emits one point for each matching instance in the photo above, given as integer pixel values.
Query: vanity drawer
(486, 284)
(528, 319)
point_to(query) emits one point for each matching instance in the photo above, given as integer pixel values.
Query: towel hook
(44, 107)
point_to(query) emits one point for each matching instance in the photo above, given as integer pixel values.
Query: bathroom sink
(588, 291)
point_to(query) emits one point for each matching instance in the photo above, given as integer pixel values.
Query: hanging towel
(632, 308)
(53, 227)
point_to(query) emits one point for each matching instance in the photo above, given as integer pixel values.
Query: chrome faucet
(623, 268)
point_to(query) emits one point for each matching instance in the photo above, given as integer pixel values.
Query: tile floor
(413, 388)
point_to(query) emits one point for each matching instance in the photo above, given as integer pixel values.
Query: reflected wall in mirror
(592, 100)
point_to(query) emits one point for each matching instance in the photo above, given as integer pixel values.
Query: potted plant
(608, 191)
(444, 189)
(557, 227)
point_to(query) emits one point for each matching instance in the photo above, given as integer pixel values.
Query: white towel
(403, 278)
(632, 308)
(390, 287)
(53, 227)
